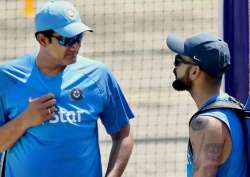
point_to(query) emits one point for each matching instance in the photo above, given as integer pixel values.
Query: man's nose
(75, 47)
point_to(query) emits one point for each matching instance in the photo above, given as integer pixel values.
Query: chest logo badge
(76, 94)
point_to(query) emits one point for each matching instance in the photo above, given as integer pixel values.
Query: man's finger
(49, 103)
(43, 98)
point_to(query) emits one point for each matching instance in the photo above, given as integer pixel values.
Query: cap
(209, 52)
(60, 16)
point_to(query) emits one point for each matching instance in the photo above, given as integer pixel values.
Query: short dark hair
(46, 33)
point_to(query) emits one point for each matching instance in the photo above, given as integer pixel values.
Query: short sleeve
(5, 84)
(116, 111)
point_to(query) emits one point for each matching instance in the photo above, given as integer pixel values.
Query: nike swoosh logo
(196, 58)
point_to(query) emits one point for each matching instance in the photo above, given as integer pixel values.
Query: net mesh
(130, 38)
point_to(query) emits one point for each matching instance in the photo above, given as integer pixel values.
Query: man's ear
(194, 72)
(42, 40)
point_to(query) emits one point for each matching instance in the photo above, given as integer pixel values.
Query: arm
(211, 145)
(11, 132)
(120, 152)
(36, 113)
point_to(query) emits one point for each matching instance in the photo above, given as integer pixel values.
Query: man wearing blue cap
(50, 103)
(216, 147)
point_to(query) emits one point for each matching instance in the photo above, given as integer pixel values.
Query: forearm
(119, 156)
(11, 132)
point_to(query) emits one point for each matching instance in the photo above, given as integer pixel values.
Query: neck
(47, 65)
(203, 92)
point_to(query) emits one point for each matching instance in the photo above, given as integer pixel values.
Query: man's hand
(39, 110)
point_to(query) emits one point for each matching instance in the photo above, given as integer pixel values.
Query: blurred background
(130, 38)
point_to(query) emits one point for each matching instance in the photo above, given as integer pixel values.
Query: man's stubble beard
(183, 83)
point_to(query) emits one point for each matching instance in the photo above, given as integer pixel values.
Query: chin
(180, 85)
(69, 61)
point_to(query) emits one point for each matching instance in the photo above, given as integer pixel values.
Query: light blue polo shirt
(66, 145)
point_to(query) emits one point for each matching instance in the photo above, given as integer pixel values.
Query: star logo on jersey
(76, 94)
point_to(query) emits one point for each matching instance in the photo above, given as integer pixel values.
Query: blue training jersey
(236, 163)
(66, 145)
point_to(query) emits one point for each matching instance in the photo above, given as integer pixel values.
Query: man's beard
(184, 83)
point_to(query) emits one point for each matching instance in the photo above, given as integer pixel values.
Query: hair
(46, 33)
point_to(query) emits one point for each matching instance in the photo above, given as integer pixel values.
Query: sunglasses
(69, 42)
(180, 60)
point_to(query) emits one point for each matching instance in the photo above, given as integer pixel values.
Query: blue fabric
(67, 145)
(236, 34)
(60, 16)
(236, 164)
(209, 52)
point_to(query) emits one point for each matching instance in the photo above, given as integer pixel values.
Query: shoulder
(21, 63)
(96, 70)
(13, 70)
(208, 126)
(206, 123)
(89, 65)
(224, 115)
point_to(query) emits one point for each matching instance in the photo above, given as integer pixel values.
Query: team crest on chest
(76, 94)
